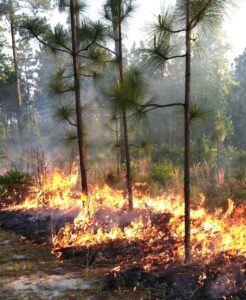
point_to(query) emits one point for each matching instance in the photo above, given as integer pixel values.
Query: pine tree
(117, 11)
(79, 46)
(185, 18)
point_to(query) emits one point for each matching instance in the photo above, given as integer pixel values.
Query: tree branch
(173, 31)
(48, 45)
(69, 121)
(90, 44)
(67, 48)
(173, 57)
(194, 20)
(153, 106)
(107, 49)
(157, 52)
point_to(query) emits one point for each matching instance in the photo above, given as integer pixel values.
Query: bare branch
(153, 106)
(173, 31)
(107, 49)
(69, 121)
(173, 57)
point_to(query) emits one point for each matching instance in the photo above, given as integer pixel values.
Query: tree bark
(128, 163)
(16, 67)
(116, 22)
(187, 136)
(117, 148)
(76, 70)
(28, 92)
(124, 118)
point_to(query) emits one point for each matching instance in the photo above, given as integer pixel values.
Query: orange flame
(211, 233)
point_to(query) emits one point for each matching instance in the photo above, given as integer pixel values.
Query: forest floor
(29, 271)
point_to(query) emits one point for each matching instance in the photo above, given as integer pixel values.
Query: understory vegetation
(217, 183)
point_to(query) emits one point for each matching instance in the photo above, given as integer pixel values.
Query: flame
(56, 190)
(157, 222)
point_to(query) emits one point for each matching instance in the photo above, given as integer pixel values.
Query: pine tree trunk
(124, 118)
(128, 163)
(76, 70)
(16, 67)
(28, 101)
(117, 148)
(187, 136)
(116, 21)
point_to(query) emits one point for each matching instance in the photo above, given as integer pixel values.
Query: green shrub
(240, 166)
(226, 157)
(14, 187)
(203, 150)
(166, 152)
(161, 172)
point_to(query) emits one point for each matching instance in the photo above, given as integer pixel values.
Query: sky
(234, 26)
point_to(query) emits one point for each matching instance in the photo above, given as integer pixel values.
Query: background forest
(44, 121)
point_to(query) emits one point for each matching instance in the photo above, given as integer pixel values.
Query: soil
(29, 271)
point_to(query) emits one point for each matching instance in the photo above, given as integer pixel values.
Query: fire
(157, 223)
(211, 233)
(56, 190)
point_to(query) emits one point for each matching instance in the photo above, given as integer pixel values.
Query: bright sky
(235, 24)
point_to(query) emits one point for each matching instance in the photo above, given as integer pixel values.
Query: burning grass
(157, 225)
(149, 238)
(156, 221)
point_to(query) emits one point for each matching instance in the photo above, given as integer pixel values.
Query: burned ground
(28, 271)
(119, 263)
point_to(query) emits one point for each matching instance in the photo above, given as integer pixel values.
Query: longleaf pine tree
(184, 19)
(117, 12)
(78, 45)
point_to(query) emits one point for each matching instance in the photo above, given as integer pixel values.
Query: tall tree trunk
(117, 148)
(16, 67)
(5, 122)
(76, 70)
(187, 135)
(116, 21)
(128, 163)
(124, 118)
(28, 102)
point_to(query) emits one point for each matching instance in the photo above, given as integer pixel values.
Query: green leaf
(59, 38)
(64, 113)
(127, 95)
(198, 112)
(35, 26)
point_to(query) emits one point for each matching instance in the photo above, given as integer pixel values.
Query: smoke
(211, 77)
